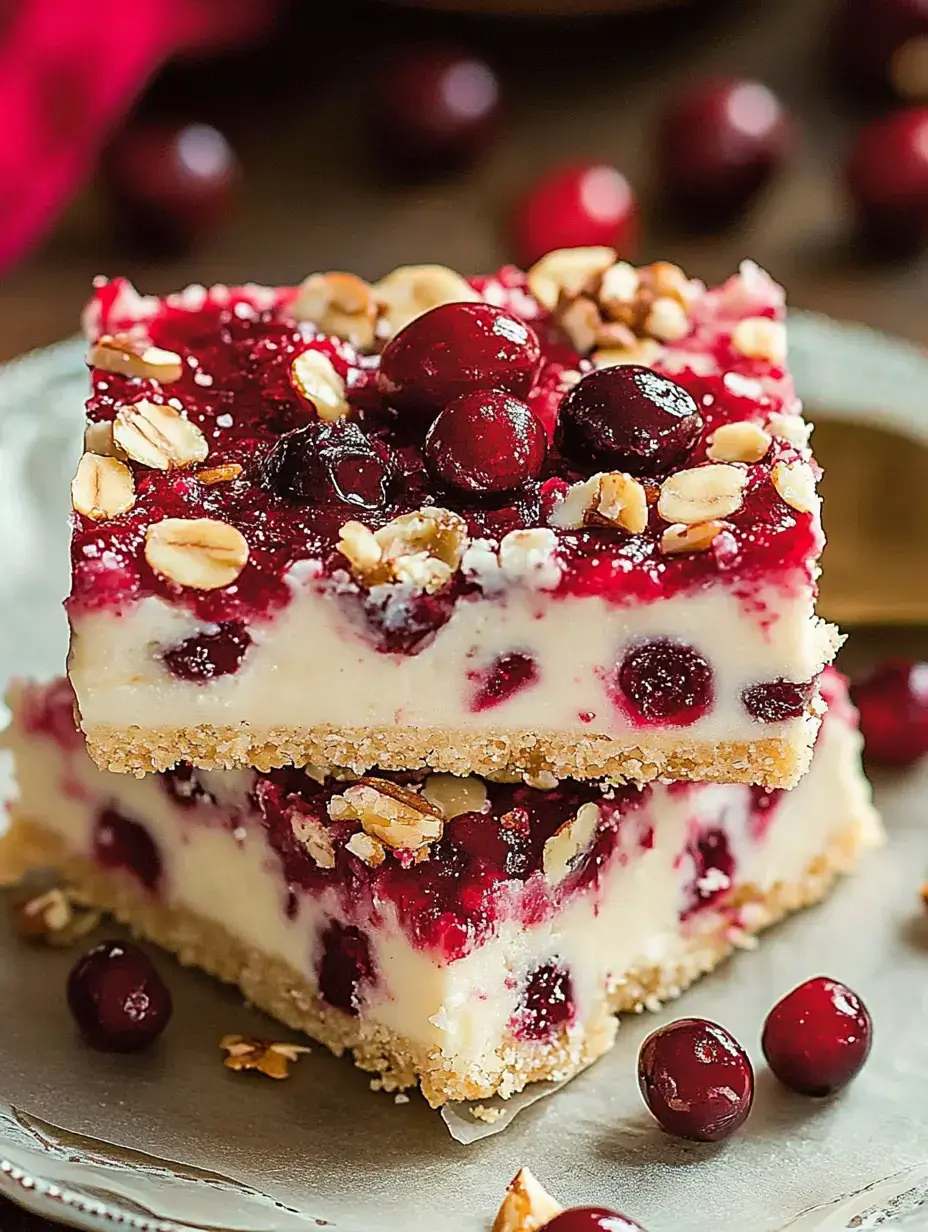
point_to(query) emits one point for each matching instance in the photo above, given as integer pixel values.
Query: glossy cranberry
(665, 682)
(591, 1219)
(546, 1004)
(817, 1038)
(893, 705)
(719, 143)
(506, 676)
(434, 107)
(486, 442)
(887, 176)
(777, 700)
(576, 206)
(171, 184)
(883, 44)
(713, 871)
(630, 418)
(208, 655)
(120, 842)
(696, 1079)
(117, 998)
(456, 349)
(345, 966)
(322, 463)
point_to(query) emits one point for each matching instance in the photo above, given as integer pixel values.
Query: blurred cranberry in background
(577, 205)
(883, 44)
(172, 184)
(887, 175)
(893, 705)
(720, 142)
(434, 108)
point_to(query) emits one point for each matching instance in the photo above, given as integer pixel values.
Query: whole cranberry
(434, 107)
(172, 184)
(486, 441)
(773, 701)
(206, 655)
(456, 349)
(696, 1079)
(883, 44)
(592, 1219)
(576, 206)
(324, 462)
(663, 681)
(719, 143)
(887, 175)
(627, 417)
(117, 998)
(893, 705)
(817, 1038)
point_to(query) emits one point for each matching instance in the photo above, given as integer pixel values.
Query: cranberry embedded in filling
(505, 677)
(714, 867)
(208, 655)
(345, 966)
(407, 623)
(546, 1004)
(664, 682)
(182, 784)
(119, 842)
(777, 700)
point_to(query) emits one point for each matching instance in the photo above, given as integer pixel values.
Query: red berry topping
(208, 655)
(117, 998)
(887, 175)
(577, 206)
(629, 418)
(505, 677)
(434, 108)
(486, 441)
(776, 700)
(720, 141)
(327, 462)
(817, 1038)
(696, 1079)
(172, 184)
(664, 682)
(456, 349)
(592, 1219)
(884, 43)
(893, 705)
(120, 842)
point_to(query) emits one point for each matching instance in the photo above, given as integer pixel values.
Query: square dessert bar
(468, 935)
(562, 522)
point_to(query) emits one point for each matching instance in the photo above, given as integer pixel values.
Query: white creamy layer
(313, 666)
(462, 1007)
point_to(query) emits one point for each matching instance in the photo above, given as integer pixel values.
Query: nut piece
(702, 494)
(571, 840)
(315, 837)
(667, 320)
(795, 483)
(568, 272)
(760, 338)
(527, 1205)
(270, 1057)
(738, 442)
(102, 487)
(314, 378)
(128, 356)
(453, 796)
(622, 502)
(411, 290)
(398, 817)
(219, 474)
(158, 436)
(422, 549)
(366, 848)
(341, 305)
(679, 538)
(203, 553)
(51, 917)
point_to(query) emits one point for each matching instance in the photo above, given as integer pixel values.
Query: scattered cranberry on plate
(117, 998)
(817, 1038)
(696, 1079)
(893, 705)
(720, 142)
(887, 176)
(591, 1219)
(884, 44)
(486, 442)
(579, 205)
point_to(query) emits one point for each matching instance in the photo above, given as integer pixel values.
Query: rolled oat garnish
(310, 833)
(795, 482)
(702, 494)
(56, 917)
(342, 305)
(527, 1206)
(158, 436)
(411, 290)
(270, 1057)
(570, 841)
(422, 549)
(401, 819)
(102, 487)
(314, 378)
(738, 442)
(453, 795)
(789, 427)
(366, 848)
(98, 438)
(219, 474)
(202, 553)
(126, 355)
(680, 539)
(760, 338)
(568, 273)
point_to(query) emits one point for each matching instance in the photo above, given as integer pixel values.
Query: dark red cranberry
(208, 655)
(505, 677)
(776, 700)
(893, 705)
(434, 108)
(456, 349)
(630, 418)
(665, 682)
(576, 206)
(883, 44)
(887, 175)
(119, 1001)
(592, 1219)
(714, 868)
(719, 142)
(487, 441)
(172, 184)
(407, 624)
(345, 966)
(120, 842)
(182, 784)
(546, 1004)
(817, 1038)
(696, 1079)
(326, 462)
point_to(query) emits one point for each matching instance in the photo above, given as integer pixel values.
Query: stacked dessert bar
(461, 635)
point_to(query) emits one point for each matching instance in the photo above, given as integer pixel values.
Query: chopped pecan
(270, 1057)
